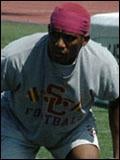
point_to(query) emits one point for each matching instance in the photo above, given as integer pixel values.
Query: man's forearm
(114, 126)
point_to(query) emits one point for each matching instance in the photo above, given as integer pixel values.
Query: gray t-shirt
(49, 98)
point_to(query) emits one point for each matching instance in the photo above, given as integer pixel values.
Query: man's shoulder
(23, 50)
(99, 52)
(98, 57)
(22, 45)
(95, 45)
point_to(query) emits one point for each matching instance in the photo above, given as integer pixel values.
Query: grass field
(11, 31)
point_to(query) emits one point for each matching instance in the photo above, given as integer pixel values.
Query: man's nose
(60, 43)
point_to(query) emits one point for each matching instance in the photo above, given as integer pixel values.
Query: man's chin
(57, 60)
(62, 61)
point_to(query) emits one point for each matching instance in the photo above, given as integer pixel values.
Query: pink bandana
(71, 17)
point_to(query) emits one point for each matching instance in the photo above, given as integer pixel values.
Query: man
(50, 85)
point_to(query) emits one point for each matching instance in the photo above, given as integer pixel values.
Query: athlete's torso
(51, 97)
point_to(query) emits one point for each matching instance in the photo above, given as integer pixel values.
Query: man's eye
(54, 34)
(69, 38)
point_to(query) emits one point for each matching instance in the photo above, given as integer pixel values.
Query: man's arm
(114, 126)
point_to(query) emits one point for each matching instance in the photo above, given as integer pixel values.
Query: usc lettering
(53, 96)
(57, 99)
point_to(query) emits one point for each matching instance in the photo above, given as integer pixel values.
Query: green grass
(11, 31)
(104, 135)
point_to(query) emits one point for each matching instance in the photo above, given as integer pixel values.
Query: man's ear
(48, 27)
(85, 40)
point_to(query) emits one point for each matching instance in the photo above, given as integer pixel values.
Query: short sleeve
(109, 81)
(8, 74)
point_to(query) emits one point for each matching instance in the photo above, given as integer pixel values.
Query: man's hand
(114, 126)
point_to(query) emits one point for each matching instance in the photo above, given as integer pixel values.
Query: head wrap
(71, 17)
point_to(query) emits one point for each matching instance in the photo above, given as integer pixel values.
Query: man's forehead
(58, 29)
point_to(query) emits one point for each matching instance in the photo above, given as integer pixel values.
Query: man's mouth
(59, 55)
